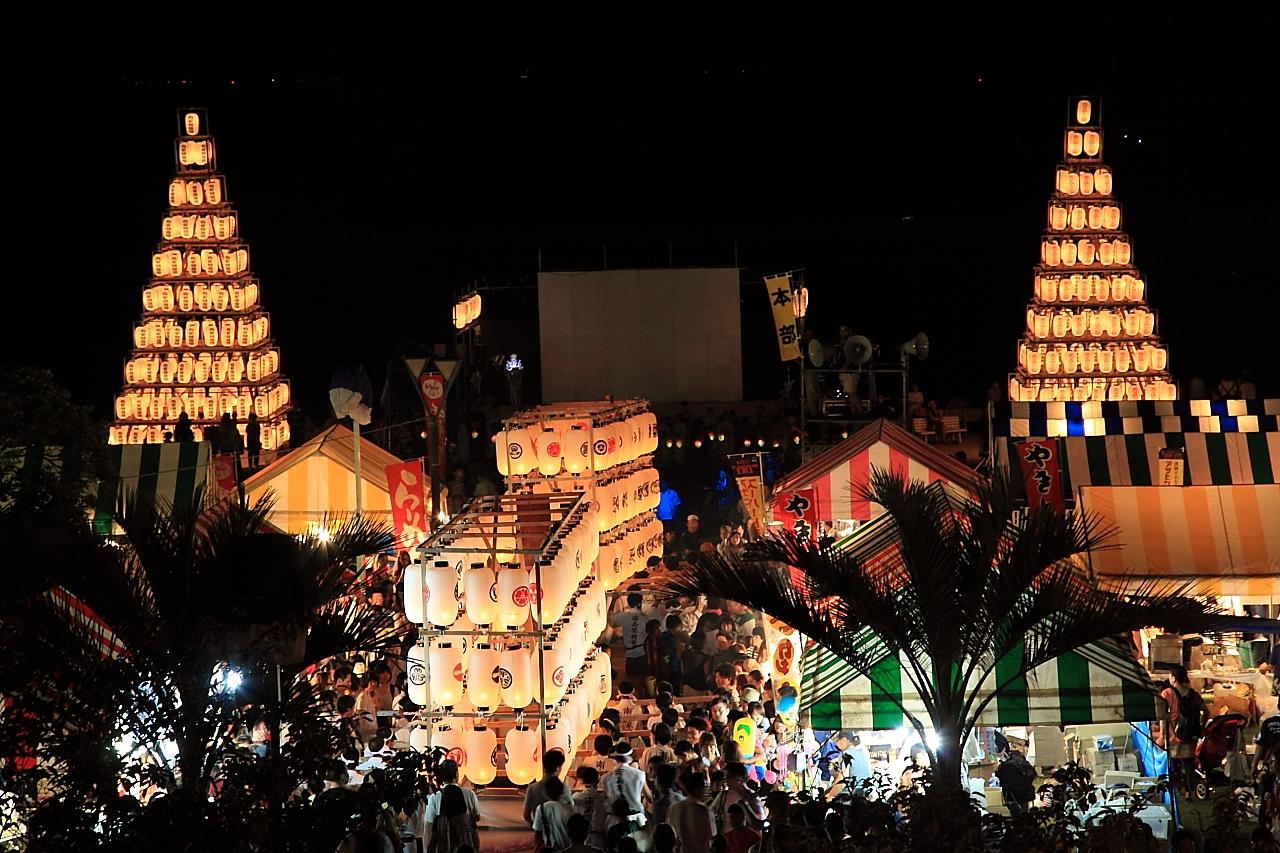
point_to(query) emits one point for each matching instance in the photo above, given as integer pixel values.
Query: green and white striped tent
(166, 472)
(1100, 683)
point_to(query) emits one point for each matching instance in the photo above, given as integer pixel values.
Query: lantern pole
(355, 432)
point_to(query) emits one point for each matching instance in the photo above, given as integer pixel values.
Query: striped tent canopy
(1099, 683)
(166, 472)
(1225, 537)
(836, 474)
(317, 479)
(1229, 442)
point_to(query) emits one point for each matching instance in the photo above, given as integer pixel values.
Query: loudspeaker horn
(917, 346)
(857, 350)
(815, 353)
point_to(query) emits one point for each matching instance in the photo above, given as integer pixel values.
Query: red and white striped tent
(836, 474)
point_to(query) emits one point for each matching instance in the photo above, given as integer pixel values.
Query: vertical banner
(784, 315)
(1040, 473)
(431, 384)
(798, 512)
(224, 471)
(1173, 463)
(784, 644)
(748, 471)
(408, 505)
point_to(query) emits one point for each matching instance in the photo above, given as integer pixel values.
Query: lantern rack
(595, 411)
(253, 386)
(606, 475)
(507, 515)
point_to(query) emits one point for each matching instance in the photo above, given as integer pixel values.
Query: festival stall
(828, 485)
(166, 473)
(317, 481)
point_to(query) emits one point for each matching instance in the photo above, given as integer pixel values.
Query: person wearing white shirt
(453, 812)
(627, 782)
(551, 819)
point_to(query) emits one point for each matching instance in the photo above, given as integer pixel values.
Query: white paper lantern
(441, 582)
(650, 421)
(445, 659)
(550, 452)
(521, 458)
(575, 450)
(418, 738)
(524, 754)
(513, 596)
(482, 675)
(480, 594)
(555, 665)
(515, 676)
(600, 444)
(416, 673)
(481, 744)
(449, 737)
(412, 595)
(500, 452)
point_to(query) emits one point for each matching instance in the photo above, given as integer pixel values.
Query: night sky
(913, 198)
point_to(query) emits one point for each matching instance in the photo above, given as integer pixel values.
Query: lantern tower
(203, 345)
(1090, 334)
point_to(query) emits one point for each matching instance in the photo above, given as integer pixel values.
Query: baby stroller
(1221, 736)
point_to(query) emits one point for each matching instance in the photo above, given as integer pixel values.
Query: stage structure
(203, 346)
(1090, 335)
(512, 592)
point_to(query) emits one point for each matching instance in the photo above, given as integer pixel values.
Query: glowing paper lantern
(445, 659)
(482, 672)
(1084, 111)
(521, 457)
(441, 582)
(513, 596)
(481, 745)
(413, 593)
(416, 673)
(524, 754)
(480, 594)
(515, 675)
(449, 737)
(419, 738)
(550, 452)
(576, 450)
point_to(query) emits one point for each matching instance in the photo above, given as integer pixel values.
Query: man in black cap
(626, 787)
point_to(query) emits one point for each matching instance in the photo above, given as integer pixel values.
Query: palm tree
(184, 590)
(966, 584)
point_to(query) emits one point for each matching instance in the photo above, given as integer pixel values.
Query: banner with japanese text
(224, 471)
(784, 315)
(748, 473)
(408, 503)
(1041, 473)
(1171, 466)
(798, 512)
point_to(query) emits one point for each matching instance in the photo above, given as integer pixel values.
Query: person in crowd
(592, 805)
(692, 538)
(914, 773)
(452, 813)
(691, 818)
(537, 793)
(627, 789)
(915, 402)
(666, 793)
(551, 818)
(630, 626)
(1187, 716)
(661, 746)
(580, 836)
(1017, 780)
(652, 656)
(740, 838)
(182, 429)
(738, 791)
(253, 440)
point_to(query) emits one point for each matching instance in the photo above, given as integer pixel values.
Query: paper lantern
(1084, 111)
(576, 450)
(515, 679)
(416, 673)
(450, 738)
(1075, 143)
(480, 594)
(513, 596)
(412, 594)
(441, 582)
(521, 457)
(419, 739)
(524, 754)
(1122, 360)
(481, 745)
(1092, 143)
(445, 659)
(1051, 253)
(550, 452)
(1086, 183)
(554, 666)
(482, 677)
(600, 457)
(1102, 180)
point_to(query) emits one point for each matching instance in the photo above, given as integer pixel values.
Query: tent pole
(355, 443)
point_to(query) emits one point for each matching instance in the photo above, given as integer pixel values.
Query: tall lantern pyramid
(1090, 334)
(203, 345)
